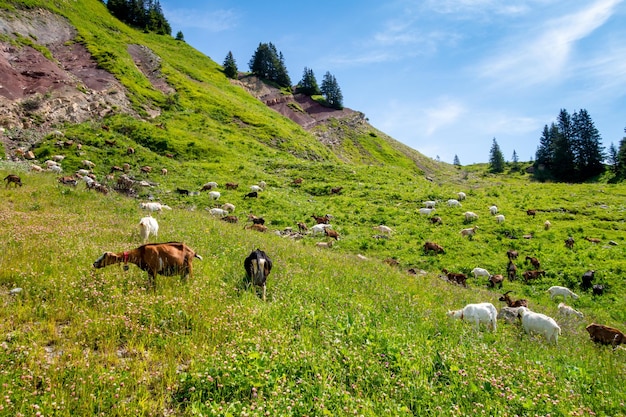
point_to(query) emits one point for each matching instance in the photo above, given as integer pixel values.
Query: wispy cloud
(210, 21)
(546, 55)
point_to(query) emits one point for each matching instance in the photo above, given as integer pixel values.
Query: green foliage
(230, 66)
(331, 91)
(496, 158)
(308, 83)
(269, 64)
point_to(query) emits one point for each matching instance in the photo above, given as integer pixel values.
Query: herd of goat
(175, 258)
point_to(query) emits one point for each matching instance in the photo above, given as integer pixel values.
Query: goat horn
(507, 292)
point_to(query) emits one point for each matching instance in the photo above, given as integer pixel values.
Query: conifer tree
(180, 36)
(308, 84)
(331, 91)
(268, 64)
(456, 161)
(586, 146)
(613, 158)
(563, 167)
(230, 66)
(496, 159)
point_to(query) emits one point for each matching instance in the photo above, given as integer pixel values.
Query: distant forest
(142, 14)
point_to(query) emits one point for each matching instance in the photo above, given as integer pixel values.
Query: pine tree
(496, 159)
(621, 158)
(230, 66)
(514, 158)
(331, 91)
(563, 167)
(308, 84)
(588, 151)
(180, 36)
(268, 64)
(456, 161)
(613, 158)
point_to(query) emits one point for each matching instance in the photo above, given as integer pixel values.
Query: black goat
(258, 266)
(587, 279)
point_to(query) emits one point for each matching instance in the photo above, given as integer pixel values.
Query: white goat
(469, 232)
(386, 230)
(426, 211)
(453, 203)
(430, 204)
(540, 323)
(209, 186)
(470, 215)
(56, 169)
(88, 163)
(262, 184)
(500, 218)
(564, 291)
(461, 195)
(547, 225)
(485, 313)
(148, 226)
(569, 311)
(218, 212)
(480, 272)
(214, 195)
(154, 206)
(256, 188)
(493, 210)
(318, 229)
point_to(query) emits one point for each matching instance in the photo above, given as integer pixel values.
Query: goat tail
(195, 255)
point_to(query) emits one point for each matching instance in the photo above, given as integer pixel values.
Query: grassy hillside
(339, 335)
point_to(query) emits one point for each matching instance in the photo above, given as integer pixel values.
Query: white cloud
(546, 56)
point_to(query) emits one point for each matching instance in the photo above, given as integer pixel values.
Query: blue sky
(444, 77)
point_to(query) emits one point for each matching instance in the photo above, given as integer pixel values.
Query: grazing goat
(331, 233)
(496, 280)
(564, 291)
(434, 247)
(88, 164)
(593, 239)
(258, 266)
(148, 226)
(321, 219)
(13, 179)
(480, 272)
(569, 243)
(324, 244)
(218, 212)
(252, 194)
(534, 262)
(231, 219)
(209, 186)
(228, 207)
(386, 230)
(302, 227)
(469, 232)
(68, 181)
(456, 277)
(569, 311)
(493, 210)
(500, 218)
(171, 258)
(513, 303)
(256, 188)
(605, 335)
(319, 228)
(154, 206)
(454, 203)
(436, 220)
(547, 225)
(146, 169)
(512, 254)
(426, 211)
(336, 190)
(163, 171)
(257, 227)
(531, 212)
(528, 275)
(214, 195)
(485, 313)
(430, 204)
(470, 216)
(540, 323)
(231, 185)
(598, 289)
(511, 271)
(587, 279)
(461, 195)
(255, 219)
(297, 181)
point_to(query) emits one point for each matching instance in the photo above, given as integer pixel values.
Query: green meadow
(339, 334)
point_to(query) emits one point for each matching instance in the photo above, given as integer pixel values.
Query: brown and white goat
(171, 258)
(456, 277)
(605, 335)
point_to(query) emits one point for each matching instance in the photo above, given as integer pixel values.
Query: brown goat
(531, 212)
(434, 247)
(496, 280)
(593, 239)
(231, 219)
(512, 254)
(321, 219)
(528, 275)
(456, 277)
(513, 303)
(231, 185)
(511, 271)
(336, 190)
(171, 258)
(302, 227)
(13, 179)
(605, 335)
(534, 262)
(436, 220)
(257, 227)
(331, 233)
(569, 243)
